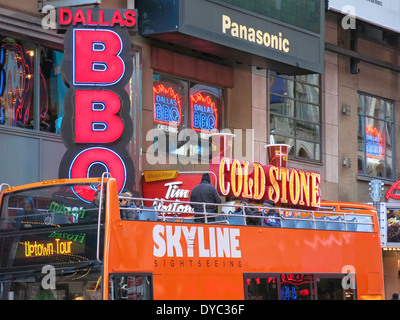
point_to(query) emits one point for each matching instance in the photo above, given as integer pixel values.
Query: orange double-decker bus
(66, 239)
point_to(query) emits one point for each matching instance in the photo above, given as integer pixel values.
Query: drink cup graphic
(221, 145)
(277, 154)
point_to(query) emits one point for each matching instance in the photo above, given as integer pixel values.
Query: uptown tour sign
(96, 67)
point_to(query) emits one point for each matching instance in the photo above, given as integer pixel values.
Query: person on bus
(249, 210)
(127, 214)
(28, 216)
(205, 192)
(271, 214)
(92, 211)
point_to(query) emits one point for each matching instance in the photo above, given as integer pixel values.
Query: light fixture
(346, 110)
(346, 162)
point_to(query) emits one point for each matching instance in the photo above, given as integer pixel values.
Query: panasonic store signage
(229, 31)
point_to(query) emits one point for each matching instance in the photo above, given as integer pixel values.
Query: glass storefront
(295, 114)
(375, 136)
(185, 113)
(21, 104)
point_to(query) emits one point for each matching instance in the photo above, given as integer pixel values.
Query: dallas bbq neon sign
(167, 106)
(97, 65)
(204, 113)
(373, 143)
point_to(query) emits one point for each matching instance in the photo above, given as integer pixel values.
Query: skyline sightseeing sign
(96, 67)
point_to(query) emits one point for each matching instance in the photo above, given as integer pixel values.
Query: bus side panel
(197, 261)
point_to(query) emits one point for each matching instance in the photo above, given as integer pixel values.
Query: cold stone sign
(96, 66)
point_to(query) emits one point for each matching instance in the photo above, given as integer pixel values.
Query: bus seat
(234, 220)
(176, 218)
(364, 223)
(334, 223)
(148, 215)
(288, 222)
(320, 223)
(58, 218)
(305, 223)
(220, 218)
(351, 223)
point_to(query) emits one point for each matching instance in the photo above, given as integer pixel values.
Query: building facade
(292, 72)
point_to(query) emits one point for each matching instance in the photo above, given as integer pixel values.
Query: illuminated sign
(204, 113)
(267, 33)
(167, 106)
(16, 85)
(97, 65)
(176, 188)
(68, 211)
(393, 191)
(56, 246)
(2, 72)
(156, 175)
(260, 37)
(47, 249)
(373, 143)
(96, 17)
(59, 243)
(242, 179)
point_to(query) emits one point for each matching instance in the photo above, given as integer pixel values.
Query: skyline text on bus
(202, 242)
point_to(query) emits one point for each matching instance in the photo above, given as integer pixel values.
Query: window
(79, 282)
(131, 287)
(295, 114)
(300, 13)
(375, 136)
(185, 113)
(18, 98)
(393, 226)
(292, 286)
(51, 206)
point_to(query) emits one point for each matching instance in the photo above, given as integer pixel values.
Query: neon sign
(55, 247)
(88, 17)
(16, 84)
(2, 73)
(204, 114)
(242, 179)
(167, 106)
(373, 143)
(97, 65)
(393, 191)
(68, 211)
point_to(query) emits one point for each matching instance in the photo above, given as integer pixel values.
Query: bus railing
(238, 214)
(101, 199)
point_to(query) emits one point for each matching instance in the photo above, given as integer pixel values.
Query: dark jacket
(250, 211)
(25, 219)
(272, 222)
(204, 192)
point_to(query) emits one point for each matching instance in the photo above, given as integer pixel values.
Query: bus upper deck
(352, 218)
(149, 249)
